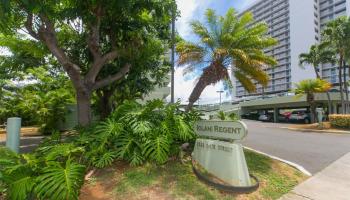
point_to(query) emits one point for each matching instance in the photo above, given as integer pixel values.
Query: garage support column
(335, 108)
(275, 114)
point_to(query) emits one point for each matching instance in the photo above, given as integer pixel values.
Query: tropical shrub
(52, 172)
(223, 116)
(134, 132)
(340, 121)
(42, 101)
(139, 133)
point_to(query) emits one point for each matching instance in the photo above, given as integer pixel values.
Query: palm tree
(229, 41)
(309, 87)
(319, 54)
(336, 34)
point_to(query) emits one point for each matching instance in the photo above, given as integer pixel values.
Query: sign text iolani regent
(219, 129)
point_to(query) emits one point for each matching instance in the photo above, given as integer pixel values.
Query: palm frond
(190, 53)
(245, 81)
(201, 31)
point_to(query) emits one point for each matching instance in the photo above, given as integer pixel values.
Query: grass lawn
(177, 181)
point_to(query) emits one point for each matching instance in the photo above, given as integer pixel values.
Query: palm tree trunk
(341, 84)
(310, 98)
(211, 75)
(346, 89)
(196, 92)
(330, 110)
(313, 112)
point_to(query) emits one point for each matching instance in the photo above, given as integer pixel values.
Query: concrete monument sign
(226, 130)
(223, 159)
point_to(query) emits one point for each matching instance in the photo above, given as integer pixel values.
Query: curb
(296, 166)
(316, 131)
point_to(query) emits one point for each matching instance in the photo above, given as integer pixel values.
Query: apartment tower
(296, 24)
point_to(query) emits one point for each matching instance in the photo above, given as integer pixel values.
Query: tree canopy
(85, 36)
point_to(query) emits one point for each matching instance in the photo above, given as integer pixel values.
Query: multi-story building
(160, 92)
(296, 24)
(329, 10)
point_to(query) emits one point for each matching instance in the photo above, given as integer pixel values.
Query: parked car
(251, 115)
(284, 117)
(300, 116)
(268, 117)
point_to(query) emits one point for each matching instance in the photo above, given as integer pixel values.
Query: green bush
(42, 102)
(223, 116)
(52, 172)
(139, 133)
(134, 132)
(340, 121)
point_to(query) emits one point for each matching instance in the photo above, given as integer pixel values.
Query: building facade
(329, 10)
(296, 24)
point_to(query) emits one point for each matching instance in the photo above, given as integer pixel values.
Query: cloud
(187, 9)
(190, 10)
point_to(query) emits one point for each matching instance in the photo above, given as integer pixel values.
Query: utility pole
(172, 55)
(220, 92)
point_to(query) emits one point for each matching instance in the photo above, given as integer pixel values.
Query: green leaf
(20, 183)
(60, 182)
(157, 149)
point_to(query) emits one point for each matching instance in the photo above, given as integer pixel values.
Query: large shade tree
(310, 87)
(84, 36)
(226, 41)
(317, 55)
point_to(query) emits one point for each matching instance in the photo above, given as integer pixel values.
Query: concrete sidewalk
(332, 183)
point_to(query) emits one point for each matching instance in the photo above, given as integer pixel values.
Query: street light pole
(220, 92)
(172, 98)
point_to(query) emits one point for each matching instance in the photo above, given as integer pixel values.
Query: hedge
(340, 121)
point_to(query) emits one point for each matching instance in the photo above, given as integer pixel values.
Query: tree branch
(93, 40)
(29, 26)
(110, 79)
(94, 47)
(98, 65)
(48, 35)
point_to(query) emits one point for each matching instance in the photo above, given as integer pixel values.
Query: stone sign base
(225, 160)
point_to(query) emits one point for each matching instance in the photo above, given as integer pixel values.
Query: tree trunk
(313, 112)
(310, 98)
(84, 107)
(346, 89)
(105, 107)
(330, 109)
(196, 92)
(341, 84)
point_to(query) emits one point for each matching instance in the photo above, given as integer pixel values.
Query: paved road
(313, 151)
(27, 144)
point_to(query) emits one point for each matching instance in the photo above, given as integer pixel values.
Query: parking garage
(276, 104)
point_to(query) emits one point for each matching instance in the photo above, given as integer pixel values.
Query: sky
(194, 10)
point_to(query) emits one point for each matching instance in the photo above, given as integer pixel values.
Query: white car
(300, 116)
